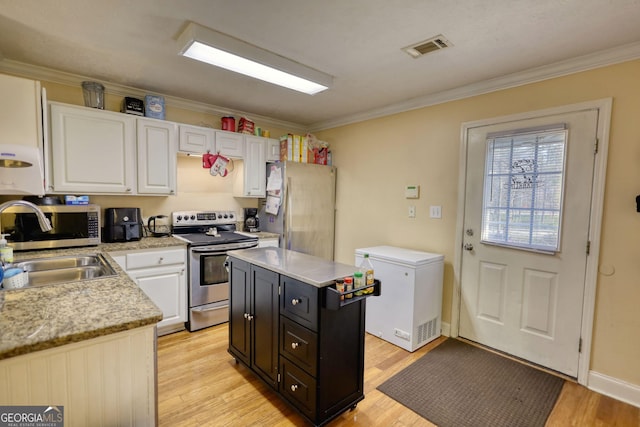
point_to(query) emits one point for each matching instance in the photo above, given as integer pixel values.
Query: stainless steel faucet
(45, 225)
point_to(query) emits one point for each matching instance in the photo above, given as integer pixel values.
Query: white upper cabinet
(196, 139)
(21, 111)
(273, 150)
(250, 180)
(229, 144)
(157, 150)
(92, 151)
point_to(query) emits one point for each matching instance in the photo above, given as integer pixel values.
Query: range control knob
(179, 217)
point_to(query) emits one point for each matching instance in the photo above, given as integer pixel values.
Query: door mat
(457, 384)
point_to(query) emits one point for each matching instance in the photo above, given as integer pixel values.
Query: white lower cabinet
(104, 381)
(161, 274)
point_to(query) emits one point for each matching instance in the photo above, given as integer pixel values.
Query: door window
(523, 188)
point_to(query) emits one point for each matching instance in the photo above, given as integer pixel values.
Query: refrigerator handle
(287, 219)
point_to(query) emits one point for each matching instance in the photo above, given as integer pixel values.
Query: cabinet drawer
(299, 302)
(298, 387)
(299, 344)
(155, 258)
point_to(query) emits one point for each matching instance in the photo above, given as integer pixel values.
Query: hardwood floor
(199, 384)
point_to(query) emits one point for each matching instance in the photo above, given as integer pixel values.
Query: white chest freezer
(409, 310)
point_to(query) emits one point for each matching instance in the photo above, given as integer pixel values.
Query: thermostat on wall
(412, 192)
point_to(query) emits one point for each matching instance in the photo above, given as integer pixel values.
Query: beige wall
(376, 159)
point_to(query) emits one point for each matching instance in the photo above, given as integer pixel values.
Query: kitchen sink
(48, 271)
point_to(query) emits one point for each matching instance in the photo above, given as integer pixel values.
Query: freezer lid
(400, 255)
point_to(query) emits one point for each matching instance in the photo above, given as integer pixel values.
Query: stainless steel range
(210, 235)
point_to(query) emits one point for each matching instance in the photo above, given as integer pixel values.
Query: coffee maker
(251, 221)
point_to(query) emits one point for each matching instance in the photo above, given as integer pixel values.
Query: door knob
(468, 247)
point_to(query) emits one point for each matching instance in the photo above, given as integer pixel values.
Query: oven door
(209, 279)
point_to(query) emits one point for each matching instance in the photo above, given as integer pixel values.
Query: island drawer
(299, 387)
(299, 302)
(299, 344)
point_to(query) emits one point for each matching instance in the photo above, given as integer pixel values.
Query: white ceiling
(495, 43)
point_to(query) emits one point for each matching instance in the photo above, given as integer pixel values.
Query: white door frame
(595, 223)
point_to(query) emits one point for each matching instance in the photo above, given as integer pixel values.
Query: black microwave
(72, 225)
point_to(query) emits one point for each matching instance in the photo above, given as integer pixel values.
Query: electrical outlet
(412, 211)
(435, 212)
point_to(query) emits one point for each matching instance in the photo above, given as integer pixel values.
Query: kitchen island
(86, 345)
(290, 326)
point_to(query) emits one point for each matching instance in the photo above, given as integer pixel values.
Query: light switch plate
(435, 212)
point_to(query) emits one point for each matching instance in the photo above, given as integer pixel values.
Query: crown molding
(591, 61)
(61, 77)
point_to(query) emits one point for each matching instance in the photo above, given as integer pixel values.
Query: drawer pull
(248, 317)
(160, 260)
(294, 387)
(294, 345)
(296, 301)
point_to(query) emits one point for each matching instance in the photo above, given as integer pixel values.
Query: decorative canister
(229, 124)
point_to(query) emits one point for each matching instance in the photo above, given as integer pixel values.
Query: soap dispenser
(6, 251)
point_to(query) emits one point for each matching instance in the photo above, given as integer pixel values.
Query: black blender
(251, 221)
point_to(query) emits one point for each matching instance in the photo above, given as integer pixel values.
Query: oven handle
(226, 264)
(208, 251)
(202, 310)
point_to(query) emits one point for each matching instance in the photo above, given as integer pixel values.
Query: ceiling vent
(431, 45)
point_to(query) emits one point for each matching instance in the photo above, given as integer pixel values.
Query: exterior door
(526, 236)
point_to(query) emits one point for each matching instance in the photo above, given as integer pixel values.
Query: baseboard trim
(445, 329)
(615, 388)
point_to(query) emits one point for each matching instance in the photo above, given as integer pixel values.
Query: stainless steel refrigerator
(300, 207)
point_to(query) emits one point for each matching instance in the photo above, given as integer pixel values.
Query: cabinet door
(196, 139)
(273, 150)
(166, 287)
(157, 150)
(239, 308)
(160, 273)
(20, 114)
(230, 144)
(92, 151)
(264, 324)
(254, 171)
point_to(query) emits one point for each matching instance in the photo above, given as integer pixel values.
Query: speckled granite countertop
(33, 319)
(309, 269)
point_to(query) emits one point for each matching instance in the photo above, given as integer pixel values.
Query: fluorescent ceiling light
(212, 47)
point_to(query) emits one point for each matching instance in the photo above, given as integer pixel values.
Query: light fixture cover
(206, 45)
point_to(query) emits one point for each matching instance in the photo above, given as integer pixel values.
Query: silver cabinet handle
(296, 301)
(294, 387)
(294, 345)
(248, 317)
